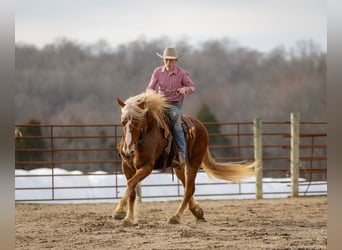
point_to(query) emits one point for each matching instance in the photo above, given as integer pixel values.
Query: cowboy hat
(169, 53)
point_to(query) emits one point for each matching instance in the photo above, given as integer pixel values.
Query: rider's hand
(181, 91)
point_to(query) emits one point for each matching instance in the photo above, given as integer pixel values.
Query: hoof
(174, 220)
(127, 223)
(198, 213)
(201, 219)
(119, 216)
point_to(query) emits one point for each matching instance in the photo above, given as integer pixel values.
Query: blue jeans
(176, 116)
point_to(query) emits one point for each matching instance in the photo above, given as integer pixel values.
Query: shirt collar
(175, 70)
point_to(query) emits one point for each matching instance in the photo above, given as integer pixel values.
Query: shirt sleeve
(153, 82)
(188, 84)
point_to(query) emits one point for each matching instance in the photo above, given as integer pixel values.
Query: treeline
(69, 82)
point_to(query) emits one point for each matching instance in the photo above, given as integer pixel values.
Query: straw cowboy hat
(169, 53)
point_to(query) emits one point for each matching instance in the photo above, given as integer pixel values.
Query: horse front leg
(130, 193)
(120, 210)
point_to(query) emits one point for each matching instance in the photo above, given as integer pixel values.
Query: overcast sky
(257, 24)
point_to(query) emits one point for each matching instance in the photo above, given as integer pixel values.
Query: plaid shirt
(167, 84)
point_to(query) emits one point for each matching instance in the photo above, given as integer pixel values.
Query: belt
(173, 102)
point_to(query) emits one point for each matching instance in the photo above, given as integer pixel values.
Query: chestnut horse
(143, 142)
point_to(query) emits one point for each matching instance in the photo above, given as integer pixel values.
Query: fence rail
(90, 148)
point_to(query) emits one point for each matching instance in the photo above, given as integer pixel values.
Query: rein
(140, 128)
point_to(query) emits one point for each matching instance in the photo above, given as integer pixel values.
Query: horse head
(132, 125)
(139, 115)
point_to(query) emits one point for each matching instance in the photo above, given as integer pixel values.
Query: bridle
(132, 124)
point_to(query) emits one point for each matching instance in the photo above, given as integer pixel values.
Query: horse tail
(229, 171)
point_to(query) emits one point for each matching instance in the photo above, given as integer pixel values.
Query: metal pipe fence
(90, 151)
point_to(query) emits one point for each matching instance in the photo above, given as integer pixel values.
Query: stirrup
(179, 162)
(176, 164)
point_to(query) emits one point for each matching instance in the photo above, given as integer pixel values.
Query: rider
(173, 82)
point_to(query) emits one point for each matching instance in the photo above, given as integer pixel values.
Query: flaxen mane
(138, 105)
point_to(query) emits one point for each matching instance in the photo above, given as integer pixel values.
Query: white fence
(100, 187)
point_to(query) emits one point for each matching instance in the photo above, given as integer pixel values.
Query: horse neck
(150, 122)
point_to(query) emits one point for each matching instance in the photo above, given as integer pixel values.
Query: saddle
(170, 153)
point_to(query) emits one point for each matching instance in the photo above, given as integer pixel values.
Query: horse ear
(121, 103)
(142, 105)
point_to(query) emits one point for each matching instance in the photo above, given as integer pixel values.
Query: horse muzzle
(128, 152)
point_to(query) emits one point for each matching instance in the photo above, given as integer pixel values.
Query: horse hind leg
(189, 190)
(194, 207)
(196, 210)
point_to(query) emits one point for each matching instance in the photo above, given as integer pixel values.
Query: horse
(143, 142)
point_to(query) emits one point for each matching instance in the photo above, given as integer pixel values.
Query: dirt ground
(299, 223)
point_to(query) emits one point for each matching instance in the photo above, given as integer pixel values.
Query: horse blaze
(128, 138)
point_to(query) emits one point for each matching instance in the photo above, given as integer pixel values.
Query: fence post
(52, 156)
(294, 153)
(257, 130)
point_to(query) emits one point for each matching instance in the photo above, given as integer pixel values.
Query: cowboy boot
(178, 162)
(181, 160)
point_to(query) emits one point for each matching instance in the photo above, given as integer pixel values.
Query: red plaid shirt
(167, 84)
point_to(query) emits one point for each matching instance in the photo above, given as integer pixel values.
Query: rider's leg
(176, 116)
